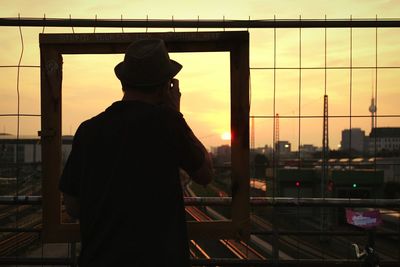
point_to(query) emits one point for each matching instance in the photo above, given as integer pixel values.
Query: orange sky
(89, 84)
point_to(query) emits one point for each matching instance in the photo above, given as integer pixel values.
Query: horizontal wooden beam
(207, 23)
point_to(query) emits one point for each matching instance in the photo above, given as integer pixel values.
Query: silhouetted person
(121, 179)
(368, 255)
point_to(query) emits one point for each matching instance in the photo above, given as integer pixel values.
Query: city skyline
(361, 141)
(277, 86)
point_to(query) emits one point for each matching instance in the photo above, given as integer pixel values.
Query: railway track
(16, 217)
(297, 247)
(294, 244)
(237, 249)
(13, 242)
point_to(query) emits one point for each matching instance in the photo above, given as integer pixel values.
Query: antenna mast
(372, 109)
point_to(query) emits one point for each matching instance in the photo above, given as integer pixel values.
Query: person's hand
(172, 95)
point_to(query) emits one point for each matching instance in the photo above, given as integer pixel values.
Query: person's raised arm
(196, 160)
(204, 174)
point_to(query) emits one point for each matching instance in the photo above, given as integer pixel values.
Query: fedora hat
(146, 63)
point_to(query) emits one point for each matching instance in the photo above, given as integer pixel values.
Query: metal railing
(223, 201)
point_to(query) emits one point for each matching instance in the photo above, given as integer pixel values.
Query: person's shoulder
(91, 125)
(104, 115)
(93, 120)
(169, 113)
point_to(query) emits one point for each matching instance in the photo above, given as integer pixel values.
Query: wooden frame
(53, 46)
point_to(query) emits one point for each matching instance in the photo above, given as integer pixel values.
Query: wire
(300, 91)
(122, 27)
(17, 172)
(320, 116)
(350, 92)
(19, 66)
(274, 122)
(147, 23)
(328, 68)
(18, 98)
(72, 26)
(20, 115)
(44, 22)
(95, 24)
(299, 137)
(223, 21)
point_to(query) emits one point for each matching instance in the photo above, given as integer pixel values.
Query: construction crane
(325, 174)
(252, 136)
(325, 146)
(277, 133)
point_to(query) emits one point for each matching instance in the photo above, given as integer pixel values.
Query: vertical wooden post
(240, 109)
(51, 77)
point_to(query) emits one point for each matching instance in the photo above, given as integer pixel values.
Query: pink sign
(364, 219)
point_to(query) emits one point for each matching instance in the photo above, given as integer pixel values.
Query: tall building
(384, 139)
(353, 139)
(223, 154)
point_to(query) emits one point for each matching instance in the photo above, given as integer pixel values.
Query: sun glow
(226, 136)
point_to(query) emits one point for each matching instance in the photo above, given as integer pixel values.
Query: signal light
(297, 184)
(354, 185)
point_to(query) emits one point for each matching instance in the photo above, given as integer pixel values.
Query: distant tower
(252, 137)
(325, 167)
(277, 132)
(372, 109)
(275, 155)
(325, 146)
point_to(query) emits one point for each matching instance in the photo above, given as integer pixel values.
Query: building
(390, 167)
(384, 139)
(23, 150)
(353, 139)
(28, 149)
(307, 150)
(284, 147)
(223, 154)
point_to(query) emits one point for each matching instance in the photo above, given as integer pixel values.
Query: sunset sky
(89, 84)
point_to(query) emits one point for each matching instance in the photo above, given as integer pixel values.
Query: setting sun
(226, 136)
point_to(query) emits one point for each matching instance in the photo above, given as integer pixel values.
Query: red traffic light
(297, 184)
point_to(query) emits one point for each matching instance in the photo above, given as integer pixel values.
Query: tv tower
(372, 109)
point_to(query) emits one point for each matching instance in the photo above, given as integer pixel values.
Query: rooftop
(385, 132)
